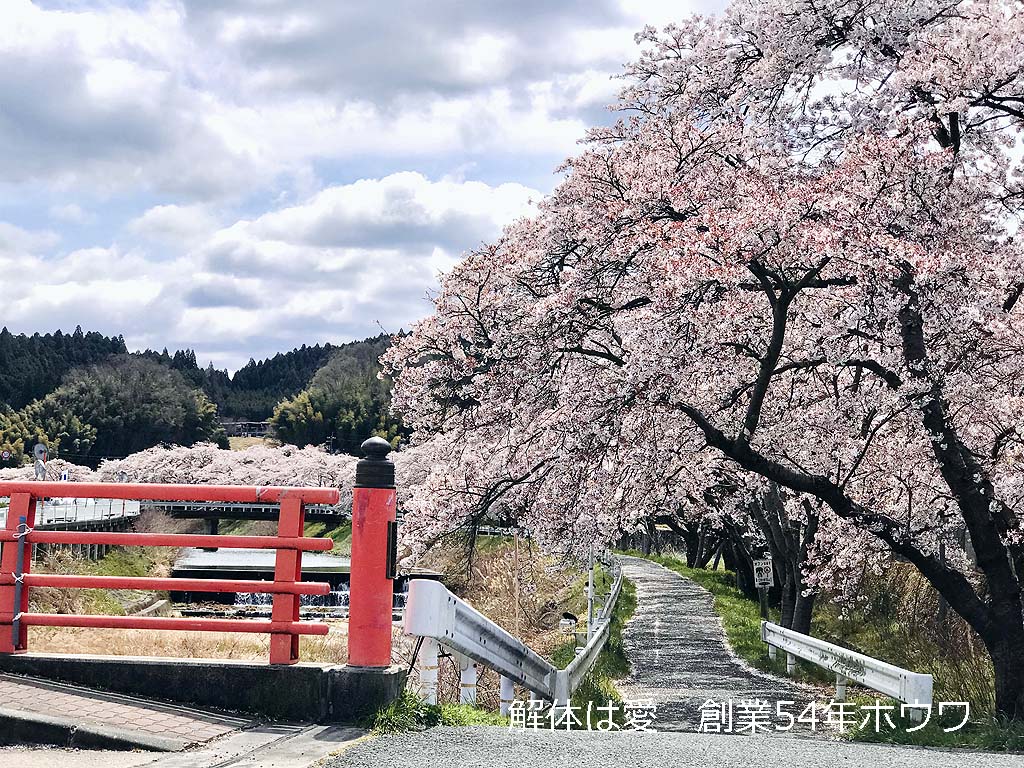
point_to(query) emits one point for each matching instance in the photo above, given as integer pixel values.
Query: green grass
(410, 713)
(128, 561)
(341, 535)
(598, 687)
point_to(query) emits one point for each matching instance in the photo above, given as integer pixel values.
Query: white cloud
(174, 224)
(172, 118)
(70, 213)
(14, 239)
(403, 208)
(341, 264)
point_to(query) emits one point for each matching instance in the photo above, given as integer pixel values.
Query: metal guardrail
(242, 511)
(909, 687)
(443, 620)
(57, 512)
(432, 611)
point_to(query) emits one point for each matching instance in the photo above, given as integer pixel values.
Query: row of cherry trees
(207, 464)
(782, 288)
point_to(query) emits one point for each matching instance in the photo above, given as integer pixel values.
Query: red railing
(284, 627)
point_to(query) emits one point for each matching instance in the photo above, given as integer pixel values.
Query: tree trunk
(802, 613)
(788, 601)
(1008, 662)
(691, 537)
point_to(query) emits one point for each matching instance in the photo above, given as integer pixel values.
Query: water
(336, 599)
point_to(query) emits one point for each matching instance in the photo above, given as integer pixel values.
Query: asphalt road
(488, 747)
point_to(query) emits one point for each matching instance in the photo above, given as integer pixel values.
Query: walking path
(679, 659)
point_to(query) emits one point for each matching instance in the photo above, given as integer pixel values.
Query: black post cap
(376, 470)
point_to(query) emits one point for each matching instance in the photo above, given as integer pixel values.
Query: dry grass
(524, 594)
(241, 443)
(899, 622)
(330, 649)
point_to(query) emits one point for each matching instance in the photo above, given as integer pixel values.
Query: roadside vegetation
(410, 713)
(598, 688)
(526, 593)
(877, 631)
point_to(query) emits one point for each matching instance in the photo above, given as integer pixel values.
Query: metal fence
(20, 533)
(909, 687)
(443, 620)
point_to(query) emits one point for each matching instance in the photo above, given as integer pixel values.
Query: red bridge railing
(284, 627)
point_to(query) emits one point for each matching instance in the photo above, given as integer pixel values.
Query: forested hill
(257, 387)
(32, 366)
(88, 399)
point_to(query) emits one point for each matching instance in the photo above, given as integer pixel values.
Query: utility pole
(515, 566)
(590, 596)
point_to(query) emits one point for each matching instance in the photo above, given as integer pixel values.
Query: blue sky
(245, 176)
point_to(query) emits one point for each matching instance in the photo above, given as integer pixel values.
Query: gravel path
(488, 747)
(679, 656)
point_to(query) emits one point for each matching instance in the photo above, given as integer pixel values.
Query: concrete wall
(297, 693)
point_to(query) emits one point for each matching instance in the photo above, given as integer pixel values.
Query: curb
(21, 727)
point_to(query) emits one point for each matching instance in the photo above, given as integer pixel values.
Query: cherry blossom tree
(794, 254)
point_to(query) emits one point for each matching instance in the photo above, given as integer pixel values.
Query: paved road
(488, 747)
(263, 746)
(680, 658)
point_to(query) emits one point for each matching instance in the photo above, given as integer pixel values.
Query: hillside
(32, 366)
(87, 397)
(254, 390)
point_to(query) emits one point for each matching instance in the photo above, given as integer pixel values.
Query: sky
(242, 177)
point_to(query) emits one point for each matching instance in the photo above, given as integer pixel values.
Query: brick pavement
(115, 710)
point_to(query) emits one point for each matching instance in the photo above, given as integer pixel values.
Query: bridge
(189, 712)
(315, 513)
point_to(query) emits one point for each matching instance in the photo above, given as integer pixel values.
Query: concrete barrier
(296, 693)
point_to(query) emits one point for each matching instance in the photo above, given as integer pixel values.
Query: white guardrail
(55, 512)
(912, 688)
(444, 621)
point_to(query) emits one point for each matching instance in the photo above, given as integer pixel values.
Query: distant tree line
(257, 387)
(109, 410)
(346, 402)
(32, 366)
(87, 398)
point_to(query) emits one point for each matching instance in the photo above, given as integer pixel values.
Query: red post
(371, 599)
(284, 648)
(21, 505)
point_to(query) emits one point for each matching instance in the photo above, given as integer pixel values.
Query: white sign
(5, 455)
(763, 575)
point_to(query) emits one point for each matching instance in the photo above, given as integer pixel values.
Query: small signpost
(40, 453)
(5, 455)
(764, 579)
